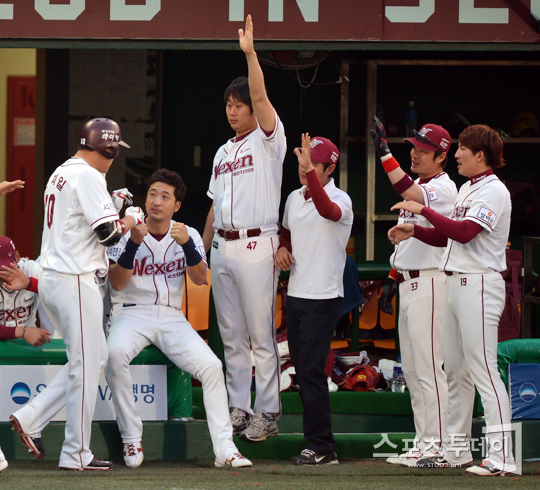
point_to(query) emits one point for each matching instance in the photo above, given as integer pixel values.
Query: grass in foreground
(271, 475)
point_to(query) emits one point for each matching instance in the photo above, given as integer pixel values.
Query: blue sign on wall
(524, 388)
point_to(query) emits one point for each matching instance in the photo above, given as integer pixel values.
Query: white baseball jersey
(76, 202)
(18, 308)
(246, 179)
(318, 244)
(485, 201)
(439, 194)
(159, 270)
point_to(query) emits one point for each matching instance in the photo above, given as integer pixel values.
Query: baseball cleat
(261, 426)
(309, 457)
(239, 420)
(433, 461)
(33, 444)
(133, 454)
(404, 458)
(94, 465)
(235, 460)
(487, 468)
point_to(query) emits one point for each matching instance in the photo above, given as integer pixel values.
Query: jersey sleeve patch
(430, 192)
(108, 206)
(487, 216)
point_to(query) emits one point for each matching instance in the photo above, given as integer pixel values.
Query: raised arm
(195, 265)
(121, 272)
(403, 184)
(262, 107)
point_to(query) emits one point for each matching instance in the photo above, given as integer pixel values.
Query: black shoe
(94, 465)
(309, 457)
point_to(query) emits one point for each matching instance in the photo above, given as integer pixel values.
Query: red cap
(7, 251)
(430, 138)
(323, 151)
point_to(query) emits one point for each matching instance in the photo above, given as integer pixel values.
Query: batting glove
(387, 294)
(121, 196)
(136, 213)
(379, 138)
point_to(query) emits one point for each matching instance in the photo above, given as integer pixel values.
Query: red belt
(412, 274)
(450, 273)
(235, 234)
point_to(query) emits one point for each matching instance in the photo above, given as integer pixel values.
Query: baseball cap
(431, 137)
(323, 150)
(7, 251)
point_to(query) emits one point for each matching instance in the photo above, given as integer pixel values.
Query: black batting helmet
(102, 135)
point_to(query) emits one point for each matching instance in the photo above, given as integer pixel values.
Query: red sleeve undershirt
(324, 205)
(33, 286)
(460, 231)
(285, 239)
(7, 333)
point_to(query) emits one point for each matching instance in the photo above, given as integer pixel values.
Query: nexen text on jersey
(226, 167)
(141, 268)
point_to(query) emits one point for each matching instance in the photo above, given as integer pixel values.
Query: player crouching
(147, 279)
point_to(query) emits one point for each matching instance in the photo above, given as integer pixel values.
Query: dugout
(333, 67)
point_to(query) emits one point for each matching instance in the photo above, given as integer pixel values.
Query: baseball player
(476, 237)
(421, 284)
(317, 223)
(80, 221)
(147, 284)
(242, 228)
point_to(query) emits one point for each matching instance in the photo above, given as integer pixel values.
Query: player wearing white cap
(80, 221)
(316, 225)
(147, 282)
(421, 284)
(475, 238)
(242, 227)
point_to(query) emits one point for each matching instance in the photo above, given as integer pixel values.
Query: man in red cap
(421, 285)
(316, 226)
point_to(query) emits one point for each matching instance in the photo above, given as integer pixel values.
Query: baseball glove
(361, 378)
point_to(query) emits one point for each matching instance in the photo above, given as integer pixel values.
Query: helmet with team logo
(102, 135)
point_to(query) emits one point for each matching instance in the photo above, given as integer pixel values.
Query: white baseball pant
(244, 284)
(421, 303)
(473, 307)
(132, 328)
(74, 305)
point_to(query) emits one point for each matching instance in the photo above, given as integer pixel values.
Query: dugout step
(180, 441)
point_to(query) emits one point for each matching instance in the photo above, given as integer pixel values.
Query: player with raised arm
(80, 221)
(147, 284)
(415, 267)
(475, 237)
(242, 229)
(316, 224)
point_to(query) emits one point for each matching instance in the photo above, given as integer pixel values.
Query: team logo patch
(487, 216)
(108, 206)
(431, 192)
(215, 244)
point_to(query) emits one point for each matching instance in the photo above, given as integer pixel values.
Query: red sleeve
(327, 209)
(460, 231)
(431, 236)
(7, 333)
(33, 287)
(285, 239)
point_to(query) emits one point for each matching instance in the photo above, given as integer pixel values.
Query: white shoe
(487, 468)
(235, 460)
(3, 462)
(405, 458)
(133, 454)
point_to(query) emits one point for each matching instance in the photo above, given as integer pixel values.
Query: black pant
(310, 328)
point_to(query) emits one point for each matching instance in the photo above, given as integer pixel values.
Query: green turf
(271, 475)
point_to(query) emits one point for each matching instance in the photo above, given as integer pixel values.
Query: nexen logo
(140, 268)
(227, 167)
